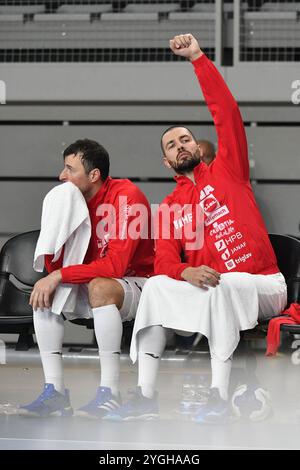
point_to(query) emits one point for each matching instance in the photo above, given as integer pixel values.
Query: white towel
(65, 221)
(219, 313)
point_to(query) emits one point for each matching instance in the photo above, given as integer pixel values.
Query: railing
(102, 31)
(267, 31)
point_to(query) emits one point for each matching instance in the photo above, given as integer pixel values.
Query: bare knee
(105, 291)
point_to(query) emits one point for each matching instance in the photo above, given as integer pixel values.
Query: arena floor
(22, 379)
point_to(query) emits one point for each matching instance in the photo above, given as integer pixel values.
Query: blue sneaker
(139, 407)
(49, 403)
(216, 410)
(103, 403)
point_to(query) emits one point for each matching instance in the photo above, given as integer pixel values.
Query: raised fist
(185, 45)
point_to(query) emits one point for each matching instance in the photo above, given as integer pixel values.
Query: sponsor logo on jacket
(186, 219)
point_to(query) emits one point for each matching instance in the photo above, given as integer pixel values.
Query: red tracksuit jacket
(118, 256)
(235, 237)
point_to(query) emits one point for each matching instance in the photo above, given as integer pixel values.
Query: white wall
(141, 82)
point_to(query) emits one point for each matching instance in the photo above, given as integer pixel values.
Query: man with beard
(216, 284)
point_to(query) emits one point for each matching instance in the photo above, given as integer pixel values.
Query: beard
(187, 164)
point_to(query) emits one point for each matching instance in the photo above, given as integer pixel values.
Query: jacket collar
(99, 197)
(198, 173)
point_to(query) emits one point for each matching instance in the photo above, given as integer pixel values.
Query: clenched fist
(185, 45)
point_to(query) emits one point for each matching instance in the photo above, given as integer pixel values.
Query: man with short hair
(216, 271)
(115, 268)
(207, 151)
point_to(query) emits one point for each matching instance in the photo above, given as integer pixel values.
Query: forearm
(56, 276)
(84, 273)
(167, 259)
(113, 265)
(172, 270)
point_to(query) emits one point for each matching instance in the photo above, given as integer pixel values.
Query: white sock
(220, 371)
(151, 344)
(108, 330)
(49, 331)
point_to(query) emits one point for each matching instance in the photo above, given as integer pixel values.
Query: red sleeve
(232, 143)
(120, 248)
(50, 266)
(168, 248)
(167, 259)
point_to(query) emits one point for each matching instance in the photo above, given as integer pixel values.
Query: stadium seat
(271, 29)
(158, 7)
(280, 6)
(17, 278)
(287, 250)
(93, 8)
(22, 9)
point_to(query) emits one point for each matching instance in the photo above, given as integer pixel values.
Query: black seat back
(287, 250)
(16, 258)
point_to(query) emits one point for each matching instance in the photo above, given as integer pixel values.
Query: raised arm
(232, 144)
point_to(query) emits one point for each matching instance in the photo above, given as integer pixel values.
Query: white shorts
(132, 287)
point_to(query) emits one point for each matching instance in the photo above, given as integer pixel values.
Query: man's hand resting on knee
(201, 276)
(44, 289)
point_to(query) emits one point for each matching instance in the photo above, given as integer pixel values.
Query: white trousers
(219, 313)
